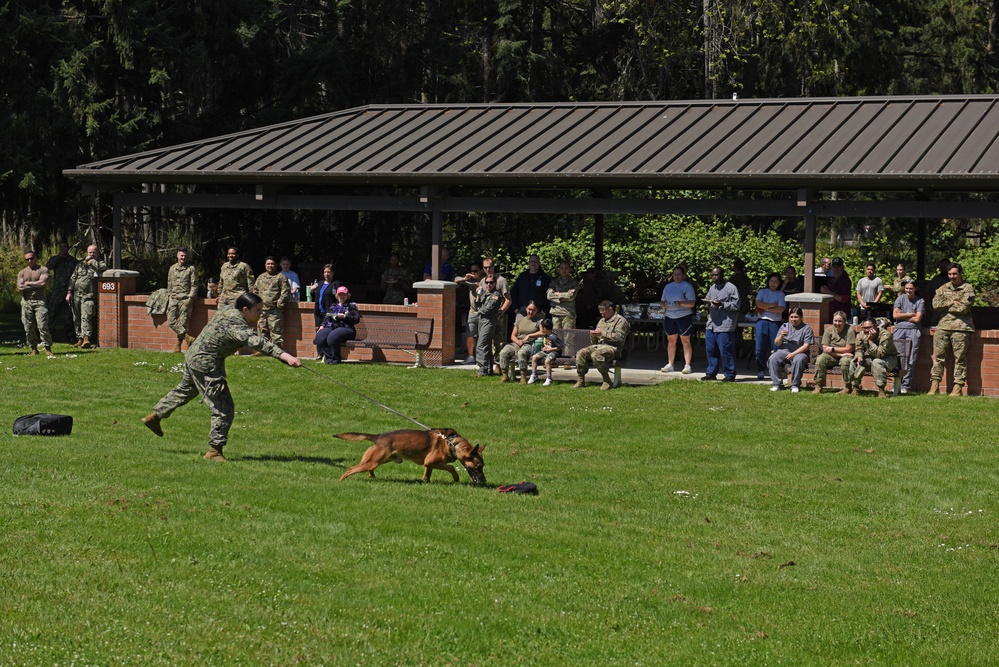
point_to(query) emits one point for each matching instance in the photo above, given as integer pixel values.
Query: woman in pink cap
(337, 327)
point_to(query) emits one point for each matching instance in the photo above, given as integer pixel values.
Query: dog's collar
(450, 444)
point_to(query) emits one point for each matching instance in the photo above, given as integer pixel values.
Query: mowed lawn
(679, 524)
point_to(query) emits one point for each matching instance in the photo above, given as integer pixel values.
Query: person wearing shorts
(678, 300)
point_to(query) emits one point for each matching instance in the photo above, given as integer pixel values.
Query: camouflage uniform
(234, 280)
(204, 371)
(394, 293)
(182, 288)
(34, 314)
(523, 327)
(83, 283)
(60, 276)
(562, 297)
(878, 355)
(613, 333)
(499, 337)
(275, 290)
(831, 337)
(489, 307)
(954, 330)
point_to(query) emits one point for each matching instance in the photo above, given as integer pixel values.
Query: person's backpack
(43, 424)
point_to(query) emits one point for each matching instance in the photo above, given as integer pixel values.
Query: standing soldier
(608, 337)
(498, 330)
(490, 302)
(235, 278)
(61, 268)
(204, 370)
(273, 287)
(562, 297)
(182, 288)
(394, 281)
(31, 283)
(952, 301)
(82, 294)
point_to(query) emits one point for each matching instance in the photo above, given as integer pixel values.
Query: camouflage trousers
(85, 317)
(957, 342)
(178, 312)
(271, 326)
(214, 391)
(35, 318)
(563, 321)
(600, 356)
(484, 346)
(512, 351)
(500, 336)
(824, 361)
(880, 368)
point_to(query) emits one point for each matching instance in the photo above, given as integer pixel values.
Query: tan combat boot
(523, 377)
(48, 352)
(606, 384)
(504, 375)
(33, 352)
(78, 343)
(818, 388)
(176, 348)
(855, 391)
(580, 382)
(86, 344)
(214, 454)
(844, 390)
(188, 339)
(934, 387)
(957, 390)
(881, 392)
(152, 422)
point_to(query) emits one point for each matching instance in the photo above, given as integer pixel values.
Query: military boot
(934, 387)
(523, 377)
(957, 390)
(188, 339)
(214, 454)
(48, 352)
(152, 422)
(606, 384)
(855, 391)
(34, 351)
(844, 390)
(78, 343)
(504, 375)
(86, 344)
(176, 348)
(580, 382)
(818, 388)
(881, 392)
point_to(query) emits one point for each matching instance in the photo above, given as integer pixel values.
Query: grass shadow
(318, 460)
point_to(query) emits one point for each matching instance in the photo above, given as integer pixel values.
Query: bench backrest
(390, 329)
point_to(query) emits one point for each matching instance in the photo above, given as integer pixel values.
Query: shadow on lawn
(319, 460)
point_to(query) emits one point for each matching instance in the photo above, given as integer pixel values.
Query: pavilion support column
(428, 197)
(598, 232)
(116, 241)
(805, 197)
(921, 248)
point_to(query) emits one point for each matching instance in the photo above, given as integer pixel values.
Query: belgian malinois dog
(434, 449)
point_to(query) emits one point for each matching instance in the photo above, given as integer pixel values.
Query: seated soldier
(875, 352)
(838, 342)
(525, 330)
(548, 347)
(609, 335)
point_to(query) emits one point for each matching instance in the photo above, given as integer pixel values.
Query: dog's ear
(479, 448)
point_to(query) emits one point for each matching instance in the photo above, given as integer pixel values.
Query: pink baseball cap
(342, 290)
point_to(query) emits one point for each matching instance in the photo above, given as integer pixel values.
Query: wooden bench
(394, 332)
(902, 345)
(577, 339)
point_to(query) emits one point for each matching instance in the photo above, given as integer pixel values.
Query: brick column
(112, 319)
(438, 299)
(814, 306)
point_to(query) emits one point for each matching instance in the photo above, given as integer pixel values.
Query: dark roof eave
(872, 182)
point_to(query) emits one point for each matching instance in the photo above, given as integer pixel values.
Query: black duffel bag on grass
(43, 424)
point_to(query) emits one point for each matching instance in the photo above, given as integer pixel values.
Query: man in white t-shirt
(869, 291)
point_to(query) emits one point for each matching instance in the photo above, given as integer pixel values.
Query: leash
(368, 398)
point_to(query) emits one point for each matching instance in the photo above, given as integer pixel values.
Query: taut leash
(367, 398)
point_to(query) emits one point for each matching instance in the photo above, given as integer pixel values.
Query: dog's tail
(356, 436)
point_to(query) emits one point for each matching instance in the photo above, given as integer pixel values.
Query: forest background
(85, 80)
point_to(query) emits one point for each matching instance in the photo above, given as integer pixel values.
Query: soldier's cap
(342, 290)
(837, 261)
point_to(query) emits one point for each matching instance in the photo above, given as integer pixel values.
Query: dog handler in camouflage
(231, 328)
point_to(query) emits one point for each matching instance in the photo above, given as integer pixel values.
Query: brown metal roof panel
(866, 136)
(337, 136)
(923, 134)
(683, 155)
(584, 136)
(724, 150)
(641, 128)
(825, 141)
(564, 141)
(780, 129)
(544, 127)
(365, 149)
(624, 127)
(899, 134)
(809, 127)
(960, 146)
(477, 151)
(680, 127)
(437, 132)
(254, 152)
(273, 150)
(550, 142)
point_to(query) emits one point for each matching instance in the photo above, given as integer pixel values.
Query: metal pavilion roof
(874, 143)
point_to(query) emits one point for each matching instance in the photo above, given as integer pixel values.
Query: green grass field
(679, 524)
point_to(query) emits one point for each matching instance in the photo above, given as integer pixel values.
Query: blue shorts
(682, 326)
